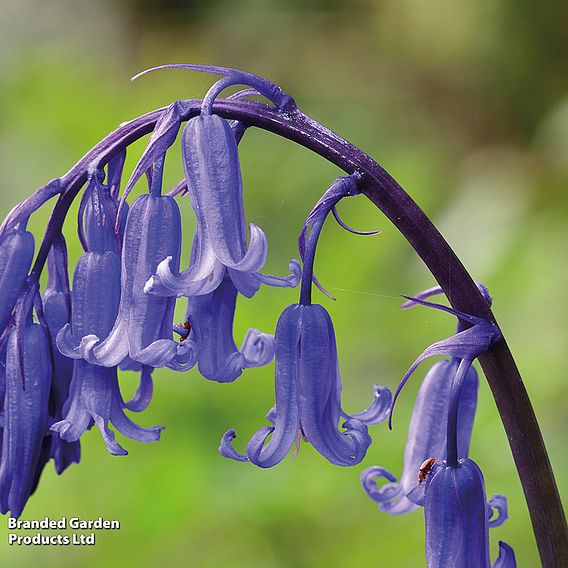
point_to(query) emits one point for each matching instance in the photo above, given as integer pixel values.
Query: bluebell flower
(88, 214)
(143, 327)
(215, 188)
(455, 508)
(457, 527)
(426, 432)
(307, 379)
(28, 381)
(209, 318)
(308, 397)
(96, 299)
(426, 438)
(16, 254)
(57, 312)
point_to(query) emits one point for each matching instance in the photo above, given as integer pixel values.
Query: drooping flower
(215, 187)
(28, 381)
(308, 383)
(88, 215)
(210, 320)
(457, 527)
(143, 327)
(94, 392)
(308, 396)
(57, 313)
(455, 509)
(426, 438)
(427, 432)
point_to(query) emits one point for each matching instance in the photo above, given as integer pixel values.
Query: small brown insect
(187, 327)
(425, 469)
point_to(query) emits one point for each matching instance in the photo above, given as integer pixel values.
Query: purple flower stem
(513, 403)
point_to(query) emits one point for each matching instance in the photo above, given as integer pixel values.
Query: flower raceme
(113, 317)
(59, 371)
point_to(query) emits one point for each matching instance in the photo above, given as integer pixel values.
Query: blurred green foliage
(464, 103)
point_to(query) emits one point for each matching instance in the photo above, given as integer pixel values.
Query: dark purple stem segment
(513, 403)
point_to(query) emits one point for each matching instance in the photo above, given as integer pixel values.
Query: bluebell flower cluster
(61, 351)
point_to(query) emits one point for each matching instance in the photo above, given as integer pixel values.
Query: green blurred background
(464, 103)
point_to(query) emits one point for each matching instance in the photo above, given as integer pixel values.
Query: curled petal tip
(497, 503)
(506, 558)
(226, 447)
(257, 348)
(435, 290)
(379, 409)
(369, 478)
(61, 427)
(255, 256)
(150, 285)
(143, 394)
